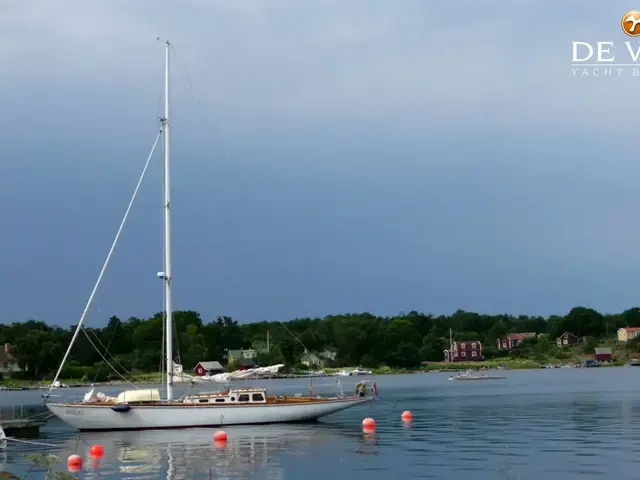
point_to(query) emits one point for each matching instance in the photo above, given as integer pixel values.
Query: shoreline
(435, 367)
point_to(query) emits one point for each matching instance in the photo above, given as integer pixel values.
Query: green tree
(290, 350)
(364, 339)
(194, 347)
(36, 351)
(429, 354)
(405, 355)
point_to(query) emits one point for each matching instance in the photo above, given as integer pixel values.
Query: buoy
(220, 436)
(369, 423)
(407, 416)
(74, 463)
(96, 451)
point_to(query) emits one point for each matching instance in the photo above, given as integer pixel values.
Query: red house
(464, 351)
(208, 368)
(603, 354)
(514, 340)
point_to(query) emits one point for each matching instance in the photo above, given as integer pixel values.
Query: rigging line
(106, 350)
(95, 377)
(106, 262)
(86, 332)
(37, 416)
(28, 442)
(159, 106)
(296, 338)
(107, 361)
(186, 75)
(33, 417)
(197, 94)
(175, 330)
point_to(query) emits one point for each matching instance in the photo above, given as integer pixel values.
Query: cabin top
(249, 389)
(235, 396)
(150, 395)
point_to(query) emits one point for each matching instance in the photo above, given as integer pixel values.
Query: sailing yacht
(140, 409)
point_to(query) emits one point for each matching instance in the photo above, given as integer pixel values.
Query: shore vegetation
(405, 342)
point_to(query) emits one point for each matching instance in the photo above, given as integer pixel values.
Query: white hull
(141, 417)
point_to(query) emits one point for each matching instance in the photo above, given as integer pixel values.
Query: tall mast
(167, 228)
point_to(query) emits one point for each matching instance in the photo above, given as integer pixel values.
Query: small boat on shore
(360, 371)
(354, 372)
(470, 375)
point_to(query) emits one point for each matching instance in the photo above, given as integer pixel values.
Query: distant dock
(22, 428)
(18, 421)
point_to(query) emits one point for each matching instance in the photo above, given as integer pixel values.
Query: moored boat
(146, 408)
(354, 372)
(470, 375)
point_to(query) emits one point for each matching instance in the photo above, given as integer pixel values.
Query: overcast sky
(328, 156)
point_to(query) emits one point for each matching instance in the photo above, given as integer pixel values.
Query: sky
(327, 157)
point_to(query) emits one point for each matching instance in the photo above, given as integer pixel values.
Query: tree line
(401, 341)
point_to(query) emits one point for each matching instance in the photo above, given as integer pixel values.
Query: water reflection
(368, 444)
(556, 424)
(186, 454)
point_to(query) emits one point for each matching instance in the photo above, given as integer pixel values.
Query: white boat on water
(354, 372)
(146, 409)
(471, 375)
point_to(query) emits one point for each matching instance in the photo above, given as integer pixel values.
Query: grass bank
(153, 377)
(511, 364)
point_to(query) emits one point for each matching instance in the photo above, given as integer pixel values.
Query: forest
(401, 341)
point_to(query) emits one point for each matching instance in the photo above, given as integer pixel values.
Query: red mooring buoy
(74, 463)
(220, 436)
(407, 416)
(96, 451)
(369, 423)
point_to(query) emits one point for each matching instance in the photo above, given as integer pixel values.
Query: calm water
(552, 424)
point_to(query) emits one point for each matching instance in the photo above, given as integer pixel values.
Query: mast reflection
(192, 453)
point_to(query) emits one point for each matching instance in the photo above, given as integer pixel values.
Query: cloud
(321, 143)
(423, 63)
